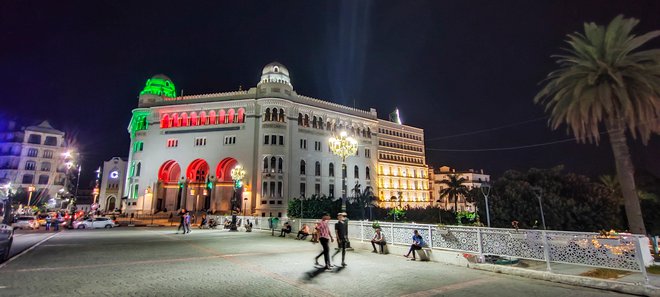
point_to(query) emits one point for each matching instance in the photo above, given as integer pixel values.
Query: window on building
(317, 146)
(273, 139)
(272, 164)
(317, 168)
(279, 164)
(272, 189)
(264, 189)
(230, 140)
(28, 178)
(135, 191)
(200, 141)
(48, 154)
(266, 139)
(172, 142)
(281, 140)
(34, 138)
(51, 140)
(367, 153)
(331, 191)
(302, 190)
(302, 167)
(30, 165)
(279, 189)
(331, 170)
(138, 146)
(32, 152)
(45, 166)
(138, 168)
(43, 179)
(356, 172)
(265, 164)
(367, 173)
(317, 189)
(303, 144)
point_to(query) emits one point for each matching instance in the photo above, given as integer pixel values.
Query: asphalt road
(158, 262)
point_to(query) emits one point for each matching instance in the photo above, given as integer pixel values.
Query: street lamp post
(237, 174)
(343, 146)
(31, 190)
(485, 189)
(538, 192)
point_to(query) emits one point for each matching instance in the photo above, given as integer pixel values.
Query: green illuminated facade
(159, 85)
(139, 121)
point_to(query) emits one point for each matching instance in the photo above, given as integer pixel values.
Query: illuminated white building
(473, 179)
(33, 157)
(402, 170)
(111, 189)
(184, 147)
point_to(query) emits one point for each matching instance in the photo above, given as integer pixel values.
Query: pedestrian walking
(186, 223)
(340, 233)
(324, 236)
(48, 221)
(182, 222)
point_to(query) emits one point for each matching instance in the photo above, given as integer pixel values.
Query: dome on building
(275, 67)
(159, 85)
(275, 72)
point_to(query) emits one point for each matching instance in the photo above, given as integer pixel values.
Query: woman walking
(324, 236)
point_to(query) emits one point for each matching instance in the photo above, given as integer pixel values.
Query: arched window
(300, 119)
(138, 168)
(241, 115)
(302, 167)
(212, 118)
(203, 119)
(281, 119)
(306, 120)
(184, 119)
(368, 132)
(320, 123)
(317, 168)
(279, 165)
(265, 164)
(357, 132)
(356, 172)
(175, 120)
(274, 116)
(165, 121)
(367, 173)
(230, 116)
(272, 164)
(331, 170)
(327, 126)
(194, 120)
(267, 115)
(222, 117)
(314, 122)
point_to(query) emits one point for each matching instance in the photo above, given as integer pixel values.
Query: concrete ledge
(623, 287)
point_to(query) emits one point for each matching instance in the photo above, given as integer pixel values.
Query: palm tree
(601, 84)
(363, 198)
(455, 189)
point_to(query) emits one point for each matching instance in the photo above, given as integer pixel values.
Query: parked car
(95, 223)
(26, 222)
(6, 233)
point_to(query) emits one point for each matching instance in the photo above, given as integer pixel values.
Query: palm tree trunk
(626, 175)
(455, 203)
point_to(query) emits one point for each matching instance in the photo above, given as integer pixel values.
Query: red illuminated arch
(231, 113)
(194, 119)
(184, 119)
(212, 118)
(203, 119)
(198, 171)
(221, 117)
(175, 120)
(169, 172)
(165, 121)
(223, 171)
(241, 114)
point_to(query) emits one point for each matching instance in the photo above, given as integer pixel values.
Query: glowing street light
(343, 146)
(237, 174)
(31, 190)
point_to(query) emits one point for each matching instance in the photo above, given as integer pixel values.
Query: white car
(26, 222)
(95, 223)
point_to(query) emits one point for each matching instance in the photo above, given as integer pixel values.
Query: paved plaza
(159, 262)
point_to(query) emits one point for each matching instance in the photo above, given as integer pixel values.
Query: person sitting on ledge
(303, 233)
(286, 229)
(379, 239)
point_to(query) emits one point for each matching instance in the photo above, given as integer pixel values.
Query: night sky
(465, 71)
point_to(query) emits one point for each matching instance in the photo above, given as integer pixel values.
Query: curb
(628, 288)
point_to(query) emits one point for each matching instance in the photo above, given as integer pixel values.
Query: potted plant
(517, 234)
(442, 230)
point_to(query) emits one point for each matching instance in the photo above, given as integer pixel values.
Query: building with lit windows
(111, 188)
(473, 179)
(402, 170)
(183, 148)
(33, 157)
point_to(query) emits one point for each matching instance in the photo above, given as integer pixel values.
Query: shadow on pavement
(310, 275)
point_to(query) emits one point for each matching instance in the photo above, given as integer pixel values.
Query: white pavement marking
(25, 251)
(452, 287)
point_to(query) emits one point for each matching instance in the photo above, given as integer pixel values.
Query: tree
(362, 199)
(454, 190)
(602, 84)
